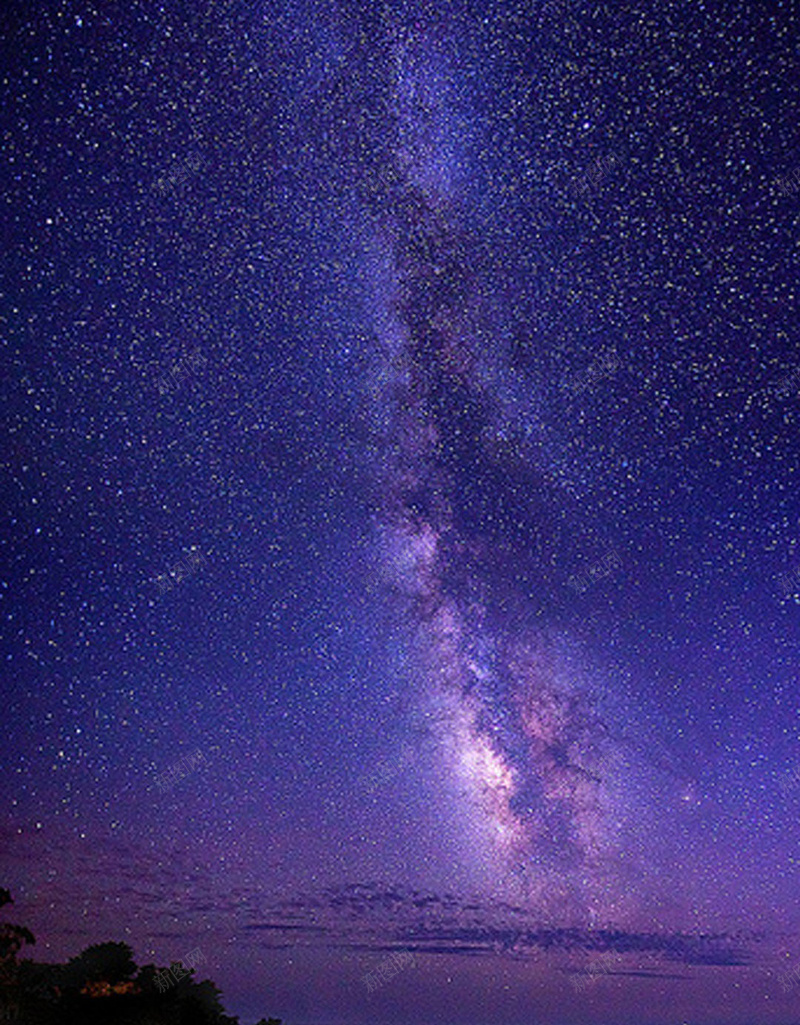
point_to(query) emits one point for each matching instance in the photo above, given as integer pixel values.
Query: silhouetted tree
(12, 940)
(102, 986)
(102, 962)
(12, 937)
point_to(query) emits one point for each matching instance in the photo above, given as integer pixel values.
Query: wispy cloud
(377, 919)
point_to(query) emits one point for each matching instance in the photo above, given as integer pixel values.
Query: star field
(401, 530)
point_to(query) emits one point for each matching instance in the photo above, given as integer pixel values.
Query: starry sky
(400, 543)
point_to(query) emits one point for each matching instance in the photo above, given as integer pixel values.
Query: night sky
(400, 547)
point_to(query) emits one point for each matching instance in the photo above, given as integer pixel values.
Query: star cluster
(400, 560)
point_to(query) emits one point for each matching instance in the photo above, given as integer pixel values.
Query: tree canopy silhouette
(102, 986)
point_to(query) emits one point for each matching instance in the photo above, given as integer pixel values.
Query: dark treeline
(101, 986)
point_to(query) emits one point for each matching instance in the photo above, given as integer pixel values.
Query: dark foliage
(101, 986)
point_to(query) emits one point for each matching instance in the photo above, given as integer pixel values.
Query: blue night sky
(402, 408)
